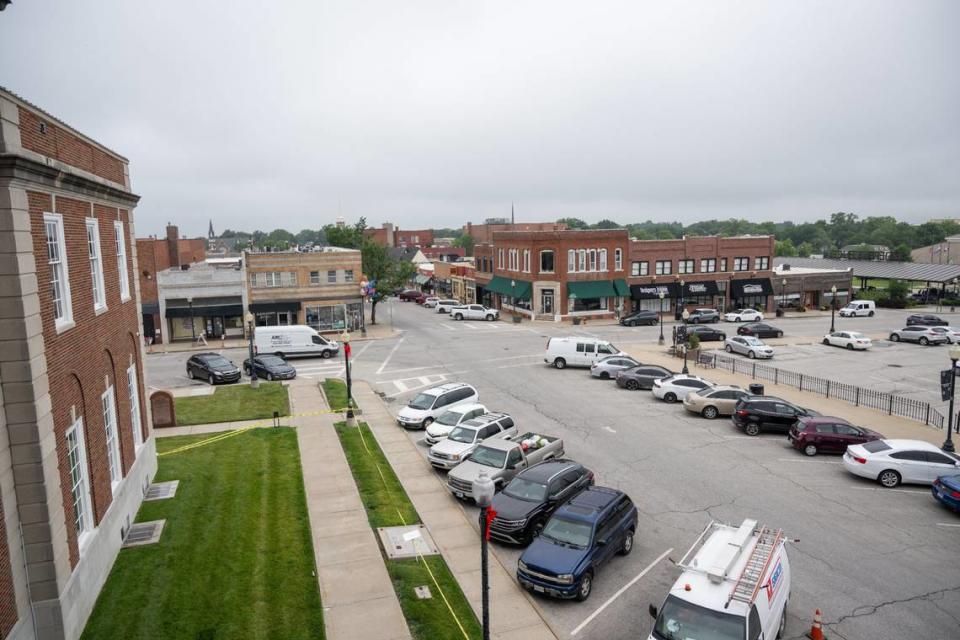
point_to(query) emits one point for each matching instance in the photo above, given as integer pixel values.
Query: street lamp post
(661, 295)
(193, 330)
(954, 356)
(345, 337)
(833, 307)
(513, 300)
(483, 490)
(686, 316)
(254, 382)
(783, 294)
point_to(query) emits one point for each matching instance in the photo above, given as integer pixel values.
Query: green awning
(621, 287)
(592, 289)
(521, 289)
(421, 279)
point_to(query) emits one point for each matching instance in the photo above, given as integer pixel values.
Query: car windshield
(568, 532)
(450, 418)
(460, 434)
(422, 401)
(704, 392)
(218, 361)
(271, 361)
(681, 620)
(489, 457)
(523, 489)
(752, 341)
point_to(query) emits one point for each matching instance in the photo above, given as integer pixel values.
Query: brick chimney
(173, 244)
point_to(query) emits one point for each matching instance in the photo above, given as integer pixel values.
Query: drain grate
(144, 533)
(162, 490)
(407, 542)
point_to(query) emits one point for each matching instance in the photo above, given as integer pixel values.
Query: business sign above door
(705, 288)
(647, 291)
(751, 287)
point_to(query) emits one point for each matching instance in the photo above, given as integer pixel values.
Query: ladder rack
(748, 584)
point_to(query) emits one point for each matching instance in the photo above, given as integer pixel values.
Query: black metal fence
(858, 396)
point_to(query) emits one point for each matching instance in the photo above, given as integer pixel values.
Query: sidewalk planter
(576, 321)
(516, 319)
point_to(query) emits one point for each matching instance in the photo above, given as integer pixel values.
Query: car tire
(894, 337)
(633, 385)
(269, 377)
(751, 355)
(728, 349)
(783, 622)
(710, 413)
(325, 354)
(633, 323)
(752, 429)
(426, 423)
(246, 370)
(923, 340)
(670, 397)
(536, 528)
(210, 379)
(850, 346)
(559, 363)
(810, 449)
(826, 342)
(889, 478)
(190, 374)
(723, 337)
(604, 376)
(779, 334)
(586, 586)
(489, 317)
(870, 314)
(627, 546)
(458, 316)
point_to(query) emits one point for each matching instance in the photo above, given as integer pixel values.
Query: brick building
(318, 288)
(158, 254)
(389, 235)
(483, 233)
(76, 451)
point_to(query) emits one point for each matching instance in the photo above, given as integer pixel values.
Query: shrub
(693, 340)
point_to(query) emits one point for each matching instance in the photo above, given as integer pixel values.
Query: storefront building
(159, 254)
(463, 285)
(811, 288)
(202, 300)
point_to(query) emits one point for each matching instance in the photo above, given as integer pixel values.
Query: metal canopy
(916, 271)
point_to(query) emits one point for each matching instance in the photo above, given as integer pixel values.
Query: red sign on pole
(346, 349)
(491, 514)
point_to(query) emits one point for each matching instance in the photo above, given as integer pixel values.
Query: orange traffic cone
(816, 631)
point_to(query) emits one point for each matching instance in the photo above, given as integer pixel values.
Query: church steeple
(210, 234)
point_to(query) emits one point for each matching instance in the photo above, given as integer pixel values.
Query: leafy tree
(389, 274)
(897, 290)
(573, 223)
(805, 249)
(465, 241)
(902, 253)
(606, 224)
(347, 236)
(785, 248)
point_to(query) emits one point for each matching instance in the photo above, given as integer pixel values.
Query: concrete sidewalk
(512, 614)
(213, 427)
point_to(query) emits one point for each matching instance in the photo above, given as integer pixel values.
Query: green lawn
(235, 402)
(235, 559)
(336, 391)
(387, 505)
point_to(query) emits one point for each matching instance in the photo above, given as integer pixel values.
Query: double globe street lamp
(833, 307)
(954, 354)
(661, 295)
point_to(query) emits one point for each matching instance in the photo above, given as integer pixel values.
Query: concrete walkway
(213, 427)
(512, 614)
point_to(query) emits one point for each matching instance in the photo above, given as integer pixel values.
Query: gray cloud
(434, 113)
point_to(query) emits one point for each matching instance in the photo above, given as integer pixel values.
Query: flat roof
(916, 271)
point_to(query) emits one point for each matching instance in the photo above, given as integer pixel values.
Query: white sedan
(748, 346)
(676, 387)
(891, 462)
(743, 315)
(848, 340)
(445, 423)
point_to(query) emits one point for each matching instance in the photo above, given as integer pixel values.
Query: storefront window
(335, 317)
(589, 304)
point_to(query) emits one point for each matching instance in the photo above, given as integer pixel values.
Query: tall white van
(578, 352)
(293, 340)
(859, 308)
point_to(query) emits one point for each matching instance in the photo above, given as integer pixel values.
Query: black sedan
(640, 317)
(642, 377)
(926, 320)
(270, 368)
(760, 330)
(213, 368)
(525, 505)
(707, 334)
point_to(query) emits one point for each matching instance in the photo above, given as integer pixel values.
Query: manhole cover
(407, 542)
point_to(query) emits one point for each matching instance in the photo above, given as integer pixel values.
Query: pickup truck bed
(491, 457)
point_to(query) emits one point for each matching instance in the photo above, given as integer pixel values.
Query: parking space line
(619, 593)
(947, 524)
(447, 326)
(916, 492)
(390, 355)
(806, 461)
(470, 326)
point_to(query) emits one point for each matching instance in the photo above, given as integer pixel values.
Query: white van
(293, 340)
(430, 404)
(578, 352)
(735, 584)
(859, 308)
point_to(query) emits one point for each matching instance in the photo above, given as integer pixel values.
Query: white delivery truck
(735, 584)
(293, 340)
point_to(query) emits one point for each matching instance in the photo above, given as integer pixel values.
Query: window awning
(521, 289)
(201, 310)
(751, 287)
(592, 289)
(621, 287)
(421, 279)
(648, 291)
(275, 305)
(150, 308)
(705, 288)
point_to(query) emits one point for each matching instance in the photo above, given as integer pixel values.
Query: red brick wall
(153, 255)
(101, 345)
(484, 232)
(377, 235)
(62, 145)
(424, 238)
(8, 597)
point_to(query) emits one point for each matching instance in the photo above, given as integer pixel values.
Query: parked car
(501, 460)
(891, 462)
(212, 367)
(428, 405)
(711, 402)
(578, 352)
(444, 306)
(528, 501)
(609, 367)
(926, 320)
(707, 334)
(743, 315)
(466, 437)
(642, 376)
(848, 340)
(951, 333)
(858, 308)
(411, 295)
(760, 330)
(430, 302)
(577, 541)
(946, 490)
(677, 386)
(640, 317)
(748, 346)
(754, 414)
(270, 368)
(826, 434)
(700, 316)
(293, 340)
(918, 333)
(474, 312)
(445, 423)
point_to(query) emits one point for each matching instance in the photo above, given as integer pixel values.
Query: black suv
(525, 505)
(640, 317)
(699, 316)
(760, 330)
(270, 367)
(212, 367)
(754, 414)
(926, 320)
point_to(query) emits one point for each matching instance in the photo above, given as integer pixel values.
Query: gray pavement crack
(869, 610)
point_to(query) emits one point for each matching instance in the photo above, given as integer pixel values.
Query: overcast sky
(429, 114)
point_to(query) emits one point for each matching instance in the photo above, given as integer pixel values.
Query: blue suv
(577, 540)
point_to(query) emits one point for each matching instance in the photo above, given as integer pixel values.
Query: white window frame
(552, 253)
(108, 407)
(592, 259)
(618, 259)
(79, 483)
(95, 260)
(685, 266)
(334, 272)
(348, 275)
(664, 267)
(59, 272)
(314, 277)
(603, 259)
(571, 260)
(761, 263)
(741, 263)
(122, 260)
(136, 422)
(582, 266)
(499, 258)
(708, 265)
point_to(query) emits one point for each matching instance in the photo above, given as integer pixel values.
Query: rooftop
(915, 271)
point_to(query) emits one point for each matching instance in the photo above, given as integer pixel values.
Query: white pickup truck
(467, 436)
(502, 459)
(474, 312)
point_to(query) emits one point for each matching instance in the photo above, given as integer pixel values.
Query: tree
(805, 249)
(346, 237)
(606, 224)
(902, 253)
(384, 272)
(466, 241)
(785, 248)
(573, 223)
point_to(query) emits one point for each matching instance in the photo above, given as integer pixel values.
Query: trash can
(756, 389)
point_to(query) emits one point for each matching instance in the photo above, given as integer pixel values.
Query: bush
(693, 341)
(890, 303)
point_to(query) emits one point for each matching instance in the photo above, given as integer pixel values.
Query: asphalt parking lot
(879, 563)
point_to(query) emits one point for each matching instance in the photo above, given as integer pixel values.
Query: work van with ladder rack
(735, 585)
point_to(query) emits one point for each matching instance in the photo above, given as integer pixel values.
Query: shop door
(546, 301)
(215, 327)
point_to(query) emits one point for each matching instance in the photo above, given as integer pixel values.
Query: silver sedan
(608, 367)
(748, 346)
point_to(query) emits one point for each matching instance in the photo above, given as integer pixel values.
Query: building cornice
(31, 173)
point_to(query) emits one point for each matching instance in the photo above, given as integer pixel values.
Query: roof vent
(785, 267)
(143, 533)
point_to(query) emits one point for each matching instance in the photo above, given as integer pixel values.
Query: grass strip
(336, 391)
(387, 505)
(235, 559)
(233, 403)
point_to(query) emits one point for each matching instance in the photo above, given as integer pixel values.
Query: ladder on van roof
(748, 584)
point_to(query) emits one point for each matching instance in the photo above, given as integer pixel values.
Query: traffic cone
(816, 631)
